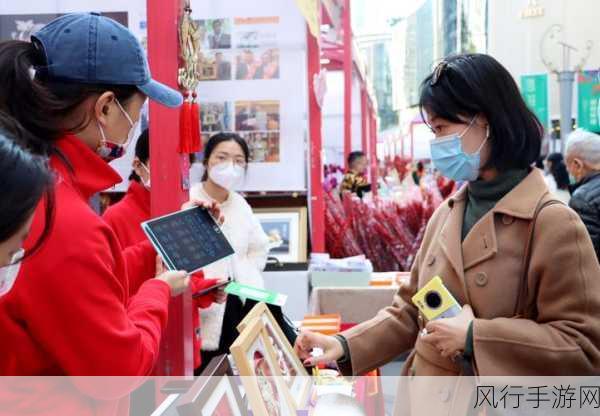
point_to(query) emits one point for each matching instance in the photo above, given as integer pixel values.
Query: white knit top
(251, 246)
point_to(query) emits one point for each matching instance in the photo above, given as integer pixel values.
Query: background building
(537, 30)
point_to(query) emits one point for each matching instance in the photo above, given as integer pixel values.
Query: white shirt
(251, 246)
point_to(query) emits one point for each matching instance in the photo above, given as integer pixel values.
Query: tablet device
(210, 289)
(188, 240)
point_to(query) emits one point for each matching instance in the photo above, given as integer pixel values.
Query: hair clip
(437, 72)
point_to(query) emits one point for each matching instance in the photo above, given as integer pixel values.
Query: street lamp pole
(566, 79)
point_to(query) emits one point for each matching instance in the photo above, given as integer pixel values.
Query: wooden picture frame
(253, 354)
(213, 392)
(287, 229)
(296, 378)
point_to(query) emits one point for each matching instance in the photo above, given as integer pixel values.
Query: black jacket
(585, 200)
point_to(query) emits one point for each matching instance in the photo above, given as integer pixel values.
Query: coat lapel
(450, 236)
(480, 243)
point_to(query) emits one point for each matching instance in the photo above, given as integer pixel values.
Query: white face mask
(227, 175)
(110, 150)
(8, 274)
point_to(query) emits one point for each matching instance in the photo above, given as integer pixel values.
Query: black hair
(555, 158)
(41, 104)
(142, 152)
(463, 86)
(354, 156)
(25, 180)
(539, 163)
(559, 170)
(420, 166)
(219, 138)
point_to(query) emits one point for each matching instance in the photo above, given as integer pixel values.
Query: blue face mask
(450, 159)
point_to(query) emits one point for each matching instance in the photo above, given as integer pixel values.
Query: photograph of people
(223, 67)
(218, 39)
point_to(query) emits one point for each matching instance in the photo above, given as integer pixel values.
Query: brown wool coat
(563, 335)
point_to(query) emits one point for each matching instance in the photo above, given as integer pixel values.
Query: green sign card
(588, 111)
(534, 89)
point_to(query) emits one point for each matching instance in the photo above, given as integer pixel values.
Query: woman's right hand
(177, 281)
(331, 346)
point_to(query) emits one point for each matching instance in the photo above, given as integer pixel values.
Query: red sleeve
(80, 311)
(198, 283)
(141, 264)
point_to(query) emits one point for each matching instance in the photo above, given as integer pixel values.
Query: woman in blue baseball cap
(84, 306)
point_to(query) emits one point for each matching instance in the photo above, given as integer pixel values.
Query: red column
(317, 202)
(347, 79)
(167, 193)
(373, 154)
(364, 116)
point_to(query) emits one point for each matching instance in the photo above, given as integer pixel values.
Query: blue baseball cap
(94, 49)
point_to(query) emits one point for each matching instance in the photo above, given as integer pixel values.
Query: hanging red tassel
(185, 125)
(195, 125)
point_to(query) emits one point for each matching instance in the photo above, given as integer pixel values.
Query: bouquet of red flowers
(387, 232)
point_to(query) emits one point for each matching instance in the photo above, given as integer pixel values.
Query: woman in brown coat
(520, 263)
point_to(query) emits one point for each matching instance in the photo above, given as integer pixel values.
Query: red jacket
(125, 218)
(70, 311)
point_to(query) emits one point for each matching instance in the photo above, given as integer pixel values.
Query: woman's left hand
(449, 335)
(212, 207)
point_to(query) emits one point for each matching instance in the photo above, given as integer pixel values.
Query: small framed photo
(293, 372)
(255, 358)
(287, 230)
(214, 393)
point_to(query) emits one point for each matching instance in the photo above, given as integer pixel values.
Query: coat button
(444, 394)
(431, 261)
(507, 219)
(481, 279)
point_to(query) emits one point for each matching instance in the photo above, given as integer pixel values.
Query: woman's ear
(102, 108)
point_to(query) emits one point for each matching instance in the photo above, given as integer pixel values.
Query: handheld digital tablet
(188, 240)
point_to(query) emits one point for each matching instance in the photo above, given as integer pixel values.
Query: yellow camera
(435, 301)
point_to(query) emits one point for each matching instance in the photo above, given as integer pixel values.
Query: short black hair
(219, 138)
(26, 180)
(463, 86)
(354, 156)
(142, 152)
(555, 158)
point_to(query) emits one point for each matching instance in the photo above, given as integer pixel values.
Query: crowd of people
(87, 295)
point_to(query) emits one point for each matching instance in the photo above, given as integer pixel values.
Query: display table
(354, 304)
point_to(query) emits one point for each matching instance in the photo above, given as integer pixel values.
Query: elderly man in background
(583, 163)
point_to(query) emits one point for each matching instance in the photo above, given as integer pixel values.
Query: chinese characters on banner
(588, 103)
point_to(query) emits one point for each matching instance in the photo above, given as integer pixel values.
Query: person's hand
(331, 346)
(449, 335)
(177, 281)
(219, 295)
(212, 207)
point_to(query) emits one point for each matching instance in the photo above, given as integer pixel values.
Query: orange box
(327, 324)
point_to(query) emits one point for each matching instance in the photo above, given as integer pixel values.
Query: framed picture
(256, 360)
(214, 393)
(292, 370)
(287, 231)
